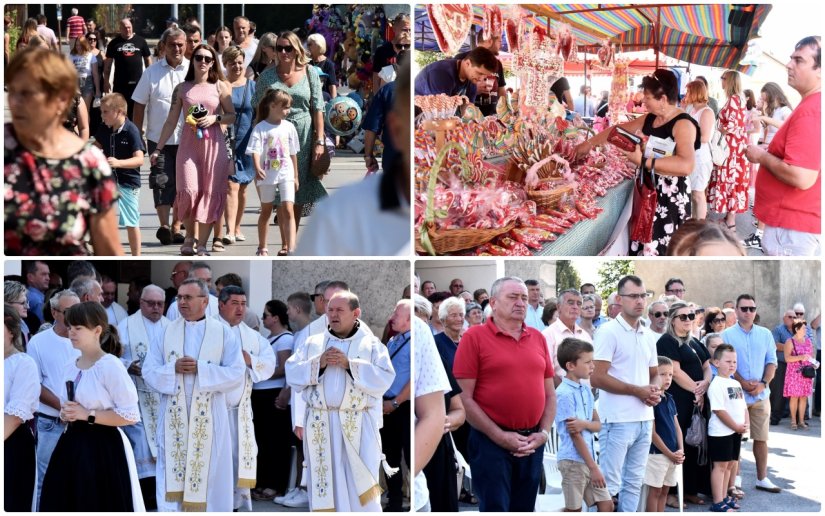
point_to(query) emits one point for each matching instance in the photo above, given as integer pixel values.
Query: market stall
(508, 183)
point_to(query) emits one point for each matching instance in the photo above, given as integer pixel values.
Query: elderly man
(598, 320)
(37, 281)
(657, 314)
(231, 279)
(626, 372)
(456, 286)
(781, 333)
(244, 39)
(114, 311)
(346, 367)
(260, 365)
(138, 333)
(87, 289)
(507, 433)
(788, 185)
(396, 432)
(428, 288)
(756, 366)
(153, 98)
(130, 54)
(534, 308)
(569, 310)
(675, 287)
(387, 53)
(52, 350)
(203, 272)
(193, 366)
(614, 307)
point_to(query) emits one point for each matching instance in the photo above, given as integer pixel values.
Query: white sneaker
(299, 501)
(766, 485)
(281, 499)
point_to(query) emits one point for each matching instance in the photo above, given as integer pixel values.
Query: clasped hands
(334, 357)
(186, 365)
(73, 411)
(521, 445)
(651, 395)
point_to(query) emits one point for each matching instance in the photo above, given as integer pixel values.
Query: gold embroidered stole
(148, 399)
(188, 436)
(247, 446)
(351, 413)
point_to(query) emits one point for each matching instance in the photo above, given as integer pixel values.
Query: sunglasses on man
(751, 309)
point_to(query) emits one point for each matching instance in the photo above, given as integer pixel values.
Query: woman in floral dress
(798, 352)
(293, 74)
(729, 182)
(58, 188)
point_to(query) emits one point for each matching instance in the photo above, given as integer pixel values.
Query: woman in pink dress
(203, 166)
(729, 183)
(798, 352)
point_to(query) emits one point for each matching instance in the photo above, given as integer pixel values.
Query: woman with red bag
(669, 128)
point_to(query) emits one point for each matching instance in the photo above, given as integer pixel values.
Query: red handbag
(623, 139)
(645, 200)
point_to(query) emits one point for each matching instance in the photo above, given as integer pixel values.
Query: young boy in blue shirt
(576, 421)
(123, 146)
(667, 450)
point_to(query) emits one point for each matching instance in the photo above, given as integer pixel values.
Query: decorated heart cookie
(512, 35)
(451, 24)
(492, 22)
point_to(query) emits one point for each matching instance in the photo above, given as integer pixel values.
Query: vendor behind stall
(456, 76)
(673, 131)
(486, 100)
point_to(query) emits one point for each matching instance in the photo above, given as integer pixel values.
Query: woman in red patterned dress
(729, 183)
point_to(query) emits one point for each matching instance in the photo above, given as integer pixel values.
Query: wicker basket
(549, 199)
(429, 240)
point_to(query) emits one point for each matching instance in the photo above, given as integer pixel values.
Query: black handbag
(807, 371)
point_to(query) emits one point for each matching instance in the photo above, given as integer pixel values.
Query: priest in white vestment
(341, 375)
(193, 366)
(138, 332)
(260, 362)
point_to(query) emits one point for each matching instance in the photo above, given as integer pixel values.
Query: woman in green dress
(293, 74)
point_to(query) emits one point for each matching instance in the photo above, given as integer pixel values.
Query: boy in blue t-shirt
(667, 450)
(576, 421)
(123, 146)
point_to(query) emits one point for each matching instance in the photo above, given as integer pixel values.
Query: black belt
(522, 431)
(46, 416)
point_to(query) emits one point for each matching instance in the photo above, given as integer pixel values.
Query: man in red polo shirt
(788, 185)
(506, 373)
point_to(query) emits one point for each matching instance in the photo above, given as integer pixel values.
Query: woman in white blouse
(21, 391)
(93, 467)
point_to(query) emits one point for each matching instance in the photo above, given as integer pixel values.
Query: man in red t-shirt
(788, 185)
(506, 373)
(75, 26)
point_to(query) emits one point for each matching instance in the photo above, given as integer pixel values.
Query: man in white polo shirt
(153, 98)
(626, 372)
(569, 306)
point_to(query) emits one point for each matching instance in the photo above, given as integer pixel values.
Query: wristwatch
(763, 382)
(218, 118)
(319, 141)
(394, 404)
(91, 418)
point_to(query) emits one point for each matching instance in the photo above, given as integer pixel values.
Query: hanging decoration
(451, 24)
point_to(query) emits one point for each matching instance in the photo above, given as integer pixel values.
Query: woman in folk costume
(92, 467)
(193, 366)
(342, 375)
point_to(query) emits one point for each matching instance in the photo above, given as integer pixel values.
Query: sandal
(188, 247)
(731, 502)
(794, 426)
(736, 493)
(283, 252)
(694, 499)
(721, 507)
(673, 503)
(264, 494)
(803, 425)
(262, 251)
(217, 245)
(203, 252)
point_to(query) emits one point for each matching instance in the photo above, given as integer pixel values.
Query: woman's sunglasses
(203, 58)
(288, 48)
(402, 46)
(685, 317)
(719, 320)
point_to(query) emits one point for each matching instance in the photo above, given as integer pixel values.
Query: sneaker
(753, 241)
(766, 485)
(298, 501)
(280, 499)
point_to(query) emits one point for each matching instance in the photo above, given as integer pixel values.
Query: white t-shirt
(631, 353)
(429, 377)
(52, 353)
(779, 114)
(274, 145)
(725, 394)
(154, 90)
(281, 342)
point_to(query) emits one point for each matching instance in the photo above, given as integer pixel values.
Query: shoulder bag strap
(399, 348)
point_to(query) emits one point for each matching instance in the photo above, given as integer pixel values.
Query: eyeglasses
(287, 48)
(186, 298)
(203, 58)
(21, 303)
(91, 39)
(751, 309)
(685, 317)
(152, 303)
(402, 46)
(635, 297)
(658, 314)
(800, 314)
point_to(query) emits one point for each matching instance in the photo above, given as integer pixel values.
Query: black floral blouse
(48, 202)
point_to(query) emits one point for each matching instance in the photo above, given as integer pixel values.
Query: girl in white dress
(93, 467)
(21, 393)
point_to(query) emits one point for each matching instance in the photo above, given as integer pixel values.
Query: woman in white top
(21, 392)
(93, 467)
(696, 100)
(84, 60)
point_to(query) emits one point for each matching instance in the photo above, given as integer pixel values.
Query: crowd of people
(637, 376)
(186, 400)
(192, 106)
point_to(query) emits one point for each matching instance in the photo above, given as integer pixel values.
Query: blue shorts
(128, 205)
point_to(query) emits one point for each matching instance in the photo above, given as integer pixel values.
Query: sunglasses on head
(203, 58)
(287, 48)
(685, 317)
(748, 308)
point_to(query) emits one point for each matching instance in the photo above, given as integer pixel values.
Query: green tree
(566, 276)
(609, 275)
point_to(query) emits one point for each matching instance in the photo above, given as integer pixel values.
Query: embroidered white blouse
(21, 386)
(104, 386)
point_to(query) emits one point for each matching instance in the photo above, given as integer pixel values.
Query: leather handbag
(697, 435)
(718, 146)
(645, 200)
(807, 371)
(622, 139)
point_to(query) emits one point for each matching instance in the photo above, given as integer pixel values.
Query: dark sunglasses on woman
(203, 59)
(686, 317)
(288, 48)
